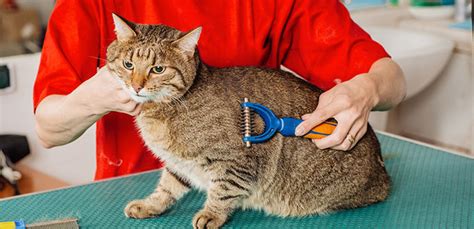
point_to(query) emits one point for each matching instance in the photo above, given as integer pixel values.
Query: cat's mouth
(140, 98)
(145, 96)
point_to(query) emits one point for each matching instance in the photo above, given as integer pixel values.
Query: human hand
(102, 93)
(349, 103)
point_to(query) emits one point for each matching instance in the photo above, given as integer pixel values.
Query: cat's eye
(158, 69)
(128, 65)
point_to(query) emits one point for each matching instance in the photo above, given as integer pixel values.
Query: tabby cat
(191, 121)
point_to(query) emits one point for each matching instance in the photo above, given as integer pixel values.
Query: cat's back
(282, 92)
(296, 165)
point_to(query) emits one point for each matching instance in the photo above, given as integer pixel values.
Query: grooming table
(431, 189)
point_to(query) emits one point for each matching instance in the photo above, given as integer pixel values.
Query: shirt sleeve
(321, 43)
(71, 49)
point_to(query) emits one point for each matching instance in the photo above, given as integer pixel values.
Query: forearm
(389, 84)
(61, 119)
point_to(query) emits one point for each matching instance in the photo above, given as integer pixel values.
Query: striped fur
(191, 120)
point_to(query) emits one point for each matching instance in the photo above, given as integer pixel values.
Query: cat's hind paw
(141, 209)
(205, 219)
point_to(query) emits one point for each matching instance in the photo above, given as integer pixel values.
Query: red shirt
(315, 38)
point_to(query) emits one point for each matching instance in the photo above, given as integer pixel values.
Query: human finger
(352, 136)
(338, 136)
(312, 120)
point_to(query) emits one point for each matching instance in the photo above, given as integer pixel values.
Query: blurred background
(431, 40)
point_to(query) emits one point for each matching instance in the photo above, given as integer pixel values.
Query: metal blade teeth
(247, 122)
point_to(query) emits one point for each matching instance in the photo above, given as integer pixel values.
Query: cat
(191, 120)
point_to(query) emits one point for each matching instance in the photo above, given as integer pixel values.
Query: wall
(73, 163)
(44, 8)
(443, 113)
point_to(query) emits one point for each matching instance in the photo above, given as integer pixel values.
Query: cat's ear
(123, 28)
(188, 42)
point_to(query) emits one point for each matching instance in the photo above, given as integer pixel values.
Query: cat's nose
(137, 88)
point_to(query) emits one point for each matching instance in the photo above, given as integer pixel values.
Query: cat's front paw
(205, 219)
(141, 209)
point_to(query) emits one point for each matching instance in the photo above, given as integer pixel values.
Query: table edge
(425, 144)
(155, 170)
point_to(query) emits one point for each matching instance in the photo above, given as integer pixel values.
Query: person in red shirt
(314, 38)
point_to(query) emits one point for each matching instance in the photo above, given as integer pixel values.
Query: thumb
(312, 120)
(306, 116)
(137, 110)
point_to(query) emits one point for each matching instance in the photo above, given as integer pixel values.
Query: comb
(70, 223)
(286, 126)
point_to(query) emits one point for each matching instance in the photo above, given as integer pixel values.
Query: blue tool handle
(288, 126)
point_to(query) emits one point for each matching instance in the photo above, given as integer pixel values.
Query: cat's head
(153, 62)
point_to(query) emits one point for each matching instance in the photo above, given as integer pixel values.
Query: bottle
(461, 12)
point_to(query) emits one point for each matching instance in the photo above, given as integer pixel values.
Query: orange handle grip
(322, 130)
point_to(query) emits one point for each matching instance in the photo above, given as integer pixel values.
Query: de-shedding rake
(286, 125)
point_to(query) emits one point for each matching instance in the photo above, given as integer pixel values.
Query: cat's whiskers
(98, 58)
(180, 102)
(162, 96)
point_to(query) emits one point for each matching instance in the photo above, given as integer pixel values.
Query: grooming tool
(286, 125)
(56, 224)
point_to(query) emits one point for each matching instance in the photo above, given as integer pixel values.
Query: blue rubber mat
(431, 189)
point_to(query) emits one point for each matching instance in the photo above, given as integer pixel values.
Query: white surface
(421, 56)
(441, 28)
(386, 16)
(432, 12)
(400, 17)
(444, 112)
(73, 163)
(379, 120)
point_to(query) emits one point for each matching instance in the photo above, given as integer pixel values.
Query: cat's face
(153, 62)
